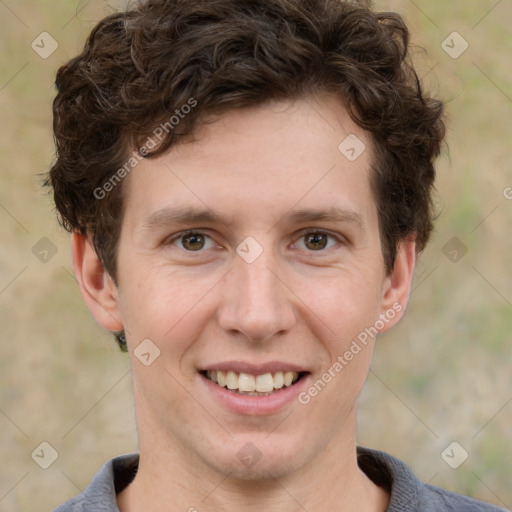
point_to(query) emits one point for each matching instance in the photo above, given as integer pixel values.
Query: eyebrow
(171, 216)
(333, 214)
(168, 216)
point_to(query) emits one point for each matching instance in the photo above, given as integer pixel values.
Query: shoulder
(441, 499)
(76, 504)
(100, 495)
(407, 493)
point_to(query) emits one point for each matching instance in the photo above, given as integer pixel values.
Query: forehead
(259, 163)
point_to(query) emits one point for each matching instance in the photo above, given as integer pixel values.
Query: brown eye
(316, 241)
(193, 242)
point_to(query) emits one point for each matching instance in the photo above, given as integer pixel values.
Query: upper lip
(255, 369)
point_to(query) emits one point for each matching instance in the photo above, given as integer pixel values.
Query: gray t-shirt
(408, 494)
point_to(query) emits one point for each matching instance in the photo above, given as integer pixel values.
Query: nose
(255, 300)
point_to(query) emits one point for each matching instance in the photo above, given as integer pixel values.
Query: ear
(97, 287)
(397, 285)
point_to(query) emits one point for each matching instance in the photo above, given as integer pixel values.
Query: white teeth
(249, 384)
(278, 380)
(232, 380)
(246, 382)
(221, 378)
(264, 383)
(288, 378)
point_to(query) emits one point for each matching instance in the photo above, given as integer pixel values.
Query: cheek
(169, 308)
(347, 334)
(345, 304)
(346, 312)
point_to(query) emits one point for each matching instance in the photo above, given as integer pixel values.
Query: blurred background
(439, 395)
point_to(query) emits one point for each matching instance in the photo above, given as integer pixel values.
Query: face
(251, 257)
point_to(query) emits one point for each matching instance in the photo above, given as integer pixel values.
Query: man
(248, 185)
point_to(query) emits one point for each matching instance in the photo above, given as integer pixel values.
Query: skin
(295, 304)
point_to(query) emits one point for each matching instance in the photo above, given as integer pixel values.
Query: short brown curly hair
(140, 67)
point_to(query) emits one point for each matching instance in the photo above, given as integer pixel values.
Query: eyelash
(310, 231)
(183, 234)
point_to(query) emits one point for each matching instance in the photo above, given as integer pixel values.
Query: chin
(257, 459)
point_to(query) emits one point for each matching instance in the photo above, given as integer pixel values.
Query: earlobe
(397, 286)
(97, 287)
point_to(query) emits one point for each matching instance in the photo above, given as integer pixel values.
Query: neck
(177, 479)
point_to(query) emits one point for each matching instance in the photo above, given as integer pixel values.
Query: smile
(253, 385)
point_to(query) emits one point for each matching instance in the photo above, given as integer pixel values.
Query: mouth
(249, 384)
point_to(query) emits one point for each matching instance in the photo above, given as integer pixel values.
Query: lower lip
(256, 405)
